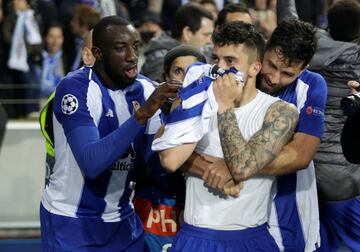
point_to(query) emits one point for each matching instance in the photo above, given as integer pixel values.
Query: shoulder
(74, 81)
(311, 77)
(313, 82)
(77, 86)
(282, 109)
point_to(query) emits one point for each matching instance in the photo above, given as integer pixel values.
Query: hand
(163, 92)
(232, 188)
(227, 91)
(354, 86)
(159, 132)
(217, 175)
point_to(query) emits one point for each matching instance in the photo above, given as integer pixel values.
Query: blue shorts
(340, 224)
(61, 233)
(198, 239)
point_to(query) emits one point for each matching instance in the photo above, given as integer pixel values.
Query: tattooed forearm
(245, 159)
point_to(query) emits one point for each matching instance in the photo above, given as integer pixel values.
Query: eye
(229, 62)
(119, 48)
(288, 75)
(214, 59)
(178, 71)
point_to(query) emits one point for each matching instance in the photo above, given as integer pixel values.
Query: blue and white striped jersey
(294, 217)
(98, 144)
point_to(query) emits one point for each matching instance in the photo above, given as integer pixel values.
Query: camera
(350, 105)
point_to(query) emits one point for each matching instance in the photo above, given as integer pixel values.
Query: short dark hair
(344, 20)
(230, 8)
(239, 32)
(294, 41)
(52, 25)
(101, 28)
(188, 15)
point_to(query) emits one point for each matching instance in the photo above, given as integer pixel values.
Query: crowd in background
(41, 40)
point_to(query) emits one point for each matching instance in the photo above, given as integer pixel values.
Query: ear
(255, 68)
(87, 56)
(97, 53)
(186, 34)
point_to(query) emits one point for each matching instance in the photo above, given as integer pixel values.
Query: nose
(208, 39)
(222, 64)
(275, 77)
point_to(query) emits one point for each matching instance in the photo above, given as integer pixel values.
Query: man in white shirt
(212, 219)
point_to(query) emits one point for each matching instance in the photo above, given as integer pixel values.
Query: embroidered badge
(69, 104)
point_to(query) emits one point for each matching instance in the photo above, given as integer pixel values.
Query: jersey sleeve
(311, 117)
(71, 104)
(93, 154)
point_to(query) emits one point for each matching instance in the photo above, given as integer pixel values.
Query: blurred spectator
(192, 25)
(149, 26)
(53, 64)
(219, 3)
(168, 12)
(312, 11)
(22, 35)
(47, 13)
(234, 12)
(264, 16)
(211, 7)
(112, 8)
(84, 19)
(137, 8)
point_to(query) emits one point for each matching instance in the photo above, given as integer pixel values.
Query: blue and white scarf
(50, 73)
(27, 28)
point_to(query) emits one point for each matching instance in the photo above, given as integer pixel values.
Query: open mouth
(131, 72)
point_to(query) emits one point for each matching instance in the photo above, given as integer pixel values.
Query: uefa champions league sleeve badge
(69, 104)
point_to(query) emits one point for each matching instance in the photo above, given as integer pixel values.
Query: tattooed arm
(244, 159)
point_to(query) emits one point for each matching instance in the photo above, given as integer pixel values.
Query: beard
(118, 76)
(262, 86)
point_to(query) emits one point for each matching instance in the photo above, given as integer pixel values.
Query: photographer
(350, 138)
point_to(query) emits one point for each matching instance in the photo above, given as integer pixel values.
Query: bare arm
(294, 156)
(286, 9)
(245, 159)
(172, 159)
